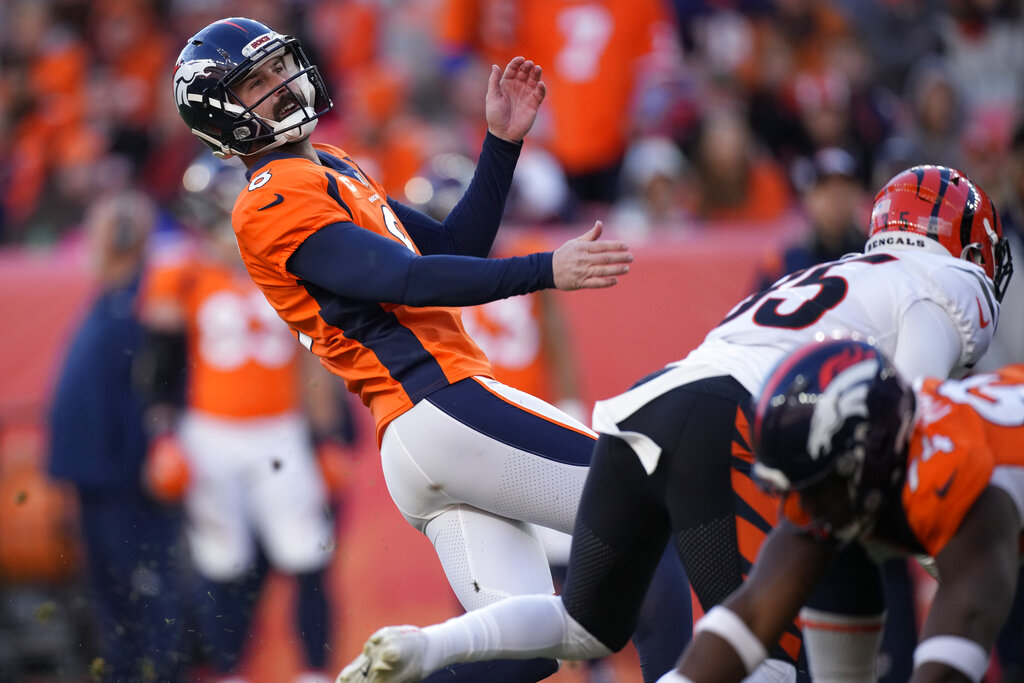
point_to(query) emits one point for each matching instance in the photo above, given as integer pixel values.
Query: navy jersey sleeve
(359, 264)
(471, 226)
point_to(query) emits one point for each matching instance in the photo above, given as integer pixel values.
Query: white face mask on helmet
(301, 123)
(219, 58)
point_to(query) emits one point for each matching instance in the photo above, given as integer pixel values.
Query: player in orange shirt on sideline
(372, 286)
(239, 447)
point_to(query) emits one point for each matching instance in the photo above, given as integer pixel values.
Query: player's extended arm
(978, 574)
(513, 98)
(731, 640)
(471, 226)
(359, 264)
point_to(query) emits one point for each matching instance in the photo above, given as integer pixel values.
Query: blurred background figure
(928, 125)
(734, 178)
(984, 43)
(98, 443)
(835, 208)
(653, 191)
(599, 60)
(227, 385)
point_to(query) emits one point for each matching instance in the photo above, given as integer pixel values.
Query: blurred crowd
(659, 113)
(662, 116)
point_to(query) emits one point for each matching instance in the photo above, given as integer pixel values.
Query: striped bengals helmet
(940, 209)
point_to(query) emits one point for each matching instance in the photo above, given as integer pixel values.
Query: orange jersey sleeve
(391, 355)
(965, 430)
(242, 359)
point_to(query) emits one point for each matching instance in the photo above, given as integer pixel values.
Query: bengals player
(866, 467)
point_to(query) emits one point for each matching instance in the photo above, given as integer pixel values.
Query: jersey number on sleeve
(391, 222)
(1001, 404)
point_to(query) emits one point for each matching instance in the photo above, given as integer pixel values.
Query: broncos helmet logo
(185, 74)
(845, 397)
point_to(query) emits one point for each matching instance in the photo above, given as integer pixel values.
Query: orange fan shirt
(591, 52)
(243, 362)
(966, 430)
(391, 355)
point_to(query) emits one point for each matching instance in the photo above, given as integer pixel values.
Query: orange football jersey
(242, 361)
(966, 429)
(391, 355)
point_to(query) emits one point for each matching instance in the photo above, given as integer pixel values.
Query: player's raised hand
(588, 262)
(513, 98)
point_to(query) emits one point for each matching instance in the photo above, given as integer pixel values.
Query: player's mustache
(287, 100)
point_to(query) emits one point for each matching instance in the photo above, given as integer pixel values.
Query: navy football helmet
(222, 55)
(830, 435)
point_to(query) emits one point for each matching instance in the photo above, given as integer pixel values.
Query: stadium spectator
(653, 186)
(896, 34)
(833, 203)
(98, 443)
(599, 58)
(984, 42)
(928, 129)
(733, 178)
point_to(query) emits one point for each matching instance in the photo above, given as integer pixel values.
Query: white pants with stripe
(475, 466)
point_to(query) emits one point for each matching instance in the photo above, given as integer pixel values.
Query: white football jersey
(865, 295)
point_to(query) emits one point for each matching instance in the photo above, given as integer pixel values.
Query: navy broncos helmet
(831, 427)
(222, 55)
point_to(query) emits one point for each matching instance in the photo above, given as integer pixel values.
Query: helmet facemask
(1002, 261)
(293, 127)
(208, 91)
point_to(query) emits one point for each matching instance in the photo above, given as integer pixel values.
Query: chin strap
(295, 127)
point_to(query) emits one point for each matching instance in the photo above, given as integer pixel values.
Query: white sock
(520, 627)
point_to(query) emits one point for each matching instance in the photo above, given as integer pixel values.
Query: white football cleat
(394, 654)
